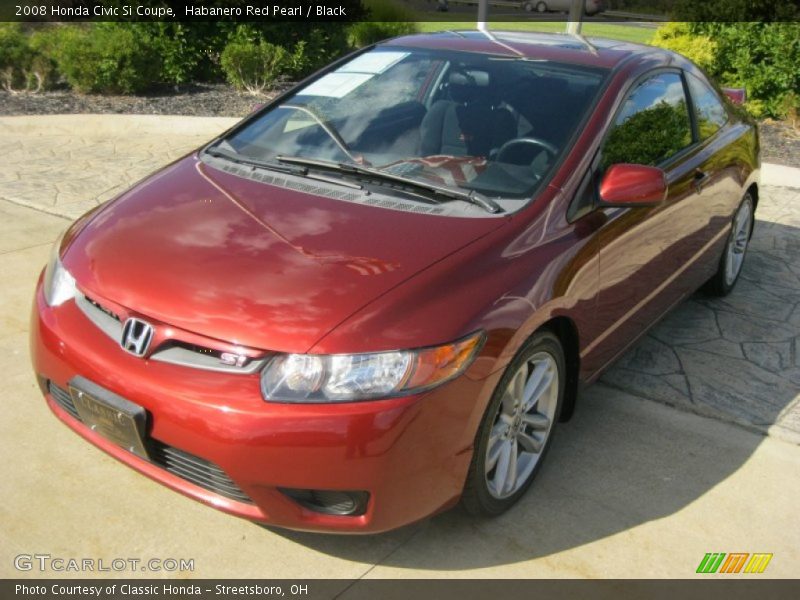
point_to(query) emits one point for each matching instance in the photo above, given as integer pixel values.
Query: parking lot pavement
(632, 488)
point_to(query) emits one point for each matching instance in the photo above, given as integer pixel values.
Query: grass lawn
(614, 31)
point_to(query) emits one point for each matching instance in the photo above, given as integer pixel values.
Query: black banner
(398, 10)
(733, 588)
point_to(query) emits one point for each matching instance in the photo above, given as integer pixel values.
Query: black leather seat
(466, 124)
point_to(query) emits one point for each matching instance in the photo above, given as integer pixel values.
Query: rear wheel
(517, 428)
(541, 7)
(730, 264)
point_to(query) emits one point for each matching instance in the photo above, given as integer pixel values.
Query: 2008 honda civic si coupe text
(376, 296)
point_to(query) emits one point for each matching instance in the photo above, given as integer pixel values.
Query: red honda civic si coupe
(377, 295)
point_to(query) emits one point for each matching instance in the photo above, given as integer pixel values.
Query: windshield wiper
(299, 171)
(254, 162)
(471, 196)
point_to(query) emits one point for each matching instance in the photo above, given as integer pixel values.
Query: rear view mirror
(633, 185)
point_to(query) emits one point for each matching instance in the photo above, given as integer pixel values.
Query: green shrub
(126, 58)
(43, 41)
(369, 32)
(312, 45)
(22, 66)
(253, 66)
(14, 54)
(324, 43)
(180, 54)
(764, 58)
(791, 108)
(107, 58)
(190, 51)
(387, 20)
(678, 37)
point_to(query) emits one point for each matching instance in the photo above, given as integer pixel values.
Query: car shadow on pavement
(623, 461)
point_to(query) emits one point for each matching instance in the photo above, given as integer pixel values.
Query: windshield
(488, 124)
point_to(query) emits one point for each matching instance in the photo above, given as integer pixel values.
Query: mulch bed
(780, 142)
(200, 100)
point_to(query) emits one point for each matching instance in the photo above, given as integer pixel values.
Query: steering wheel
(547, 146)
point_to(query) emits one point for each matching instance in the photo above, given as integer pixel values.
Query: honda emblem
(136, 336)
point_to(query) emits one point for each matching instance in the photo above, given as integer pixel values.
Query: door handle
(700, 179)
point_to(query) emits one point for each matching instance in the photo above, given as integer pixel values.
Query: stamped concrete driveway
(735, 358)
(632, 487)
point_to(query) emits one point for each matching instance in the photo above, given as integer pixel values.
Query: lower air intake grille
(192, 468)
(64, 400)
(196, 470)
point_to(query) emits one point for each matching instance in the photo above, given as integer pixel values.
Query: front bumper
(410, 454)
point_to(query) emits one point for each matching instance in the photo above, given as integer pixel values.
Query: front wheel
(730, 265)
(517, 428)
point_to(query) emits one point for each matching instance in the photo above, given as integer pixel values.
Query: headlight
(316, 378)
(59, 285)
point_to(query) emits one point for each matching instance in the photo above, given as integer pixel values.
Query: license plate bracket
(112, 416)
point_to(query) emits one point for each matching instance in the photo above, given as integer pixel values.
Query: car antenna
(482, 26)
(575, 23)
(589, 46)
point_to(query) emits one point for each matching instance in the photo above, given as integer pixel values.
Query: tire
(488, 492)
(541, 7)
(528, 6)
(735, 251)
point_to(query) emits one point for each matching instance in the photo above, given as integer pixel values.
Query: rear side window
(653, 124)
(711, 114)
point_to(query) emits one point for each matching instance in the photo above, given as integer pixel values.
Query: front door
(645, 252)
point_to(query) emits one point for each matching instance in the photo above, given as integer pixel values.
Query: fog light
(330, 502)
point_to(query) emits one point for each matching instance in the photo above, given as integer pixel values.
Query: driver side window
(652, 126)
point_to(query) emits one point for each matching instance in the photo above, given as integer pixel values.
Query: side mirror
(736, 95)
(633, 185)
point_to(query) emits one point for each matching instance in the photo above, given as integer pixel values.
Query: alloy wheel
(737, 243)
(522, 425)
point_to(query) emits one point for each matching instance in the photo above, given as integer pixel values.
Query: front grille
(102, 308)
(176, 352)
(193, 469)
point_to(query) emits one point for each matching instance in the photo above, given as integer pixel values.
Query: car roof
(559, 47)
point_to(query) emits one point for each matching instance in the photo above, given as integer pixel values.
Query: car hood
(252, 263)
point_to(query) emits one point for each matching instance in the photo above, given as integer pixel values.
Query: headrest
(469, 78)
(468, 86)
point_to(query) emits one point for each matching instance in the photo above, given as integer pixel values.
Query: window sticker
(352, 75)
(372, 62)
(336, 85)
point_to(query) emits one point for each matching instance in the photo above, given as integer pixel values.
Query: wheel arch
(753, 191)
(565, 329)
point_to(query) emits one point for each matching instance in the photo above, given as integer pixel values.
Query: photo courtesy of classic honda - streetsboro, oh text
(376, 296)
